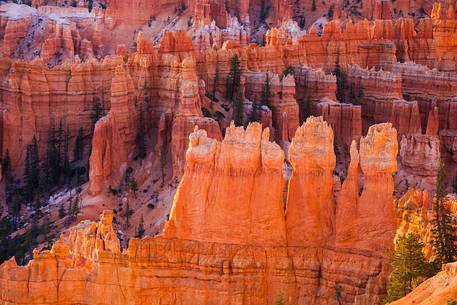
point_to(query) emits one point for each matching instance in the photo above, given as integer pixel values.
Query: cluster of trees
(21, 245)
(410, 267)
(44, 173)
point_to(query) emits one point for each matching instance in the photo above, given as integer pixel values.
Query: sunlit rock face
(228, 224)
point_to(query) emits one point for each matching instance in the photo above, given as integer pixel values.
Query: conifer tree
(331, 11)
(10, 189)
(52, 162)
(133, 186)
(78, 151)
(216, 79)
(313, 6)
(31, 170)
(444, 230)
(238, 109)
(306, 109)
(253, 114)
(341, 79)
(35, 163)
(28, 180)
(140, 230)
(61, 211)
(266, 91)
(97, 110)
(6, 164)
(234, 78)
(141, 138)
(163, 157)
(409, 267)
(66, 159)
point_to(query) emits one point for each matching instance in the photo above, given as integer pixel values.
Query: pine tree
(133, 186)
(78, 151)
(97, 110)
(331, 11)
(216, 79)
(28, 180)
(76, 206)
(444, 230)
(338, 294)
(10, 189)
(263, 11)
(253, 114)
(238, 109)
(341, 80)
(163, 158)
(31, 170)
(360, 93)
(141, 138)
(66, 159)
(306, 109)
(128, 213)
(6, 164)
(52, 162)
(140, 230)
(409, 267)
(313, 6)
(35, 163)
(61, 211)
(266, 91)
(234, 78)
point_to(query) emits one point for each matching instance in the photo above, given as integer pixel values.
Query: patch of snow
(293, 30)
(319, 24)
(16, 11)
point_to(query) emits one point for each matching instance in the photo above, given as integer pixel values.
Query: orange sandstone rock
(377, 159)
(309, 216)
(206, 205)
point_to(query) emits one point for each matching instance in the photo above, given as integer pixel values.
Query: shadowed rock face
(228, 237)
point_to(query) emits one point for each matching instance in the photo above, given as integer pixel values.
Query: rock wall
(419, 158)
(315, 84)
(34, 98)
(381, 96)
(345, 119)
